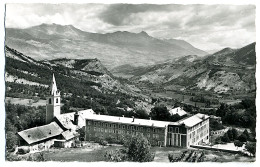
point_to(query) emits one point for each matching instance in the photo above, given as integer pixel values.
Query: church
(61, 130)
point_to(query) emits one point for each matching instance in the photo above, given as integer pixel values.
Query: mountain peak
(143, 33)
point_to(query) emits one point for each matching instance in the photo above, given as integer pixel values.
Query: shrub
(23, 150)
(137, 149)
(118, 155)
(103, 142)
(251, 147)
(237, 143)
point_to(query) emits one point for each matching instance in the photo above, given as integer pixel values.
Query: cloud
(205, 26)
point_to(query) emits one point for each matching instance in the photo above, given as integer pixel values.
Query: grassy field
(86, 154)
(26, 102)
(83, 154)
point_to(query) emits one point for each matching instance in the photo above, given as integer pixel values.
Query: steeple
(52, 102)
(54, 90)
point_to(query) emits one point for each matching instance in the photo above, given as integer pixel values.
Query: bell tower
(52, 102)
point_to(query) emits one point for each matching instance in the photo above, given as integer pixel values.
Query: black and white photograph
(126, 82)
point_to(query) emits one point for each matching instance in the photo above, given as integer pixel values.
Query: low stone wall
(215, 149)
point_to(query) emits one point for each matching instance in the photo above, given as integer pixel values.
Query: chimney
(76, 118)
(123, 116)
(150, 118)
(133, 118)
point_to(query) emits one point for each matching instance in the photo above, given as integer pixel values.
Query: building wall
(64, 144)
(103, 129)
(176, 136)
(198, 134)
(52, 107)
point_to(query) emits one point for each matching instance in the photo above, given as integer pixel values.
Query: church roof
(40, 133)
(67, 120)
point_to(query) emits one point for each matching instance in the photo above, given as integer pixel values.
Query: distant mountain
(52, 41)
(226, 71)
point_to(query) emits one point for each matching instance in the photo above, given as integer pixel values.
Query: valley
(220, 85)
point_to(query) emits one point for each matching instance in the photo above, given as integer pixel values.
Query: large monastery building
(61, 130)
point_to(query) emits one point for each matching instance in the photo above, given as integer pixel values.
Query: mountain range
(144, 60)
(226, 71)
(52, 41)
(71, 74)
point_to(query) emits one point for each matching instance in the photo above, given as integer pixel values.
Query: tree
(222, 110)
(160, 113)
(11, 140)
(237, 143)
(242, 138)
(251, 147)
(139, 149)
(232, 134)
(142, 114)
(225, 138)
(246, 133)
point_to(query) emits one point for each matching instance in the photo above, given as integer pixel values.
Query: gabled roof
(67, 120)
(67, 135)
(193, 120)
(178, 111)
(130, 121)
(40, 133)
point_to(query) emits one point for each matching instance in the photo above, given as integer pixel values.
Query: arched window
(57, 100)
(49, 101)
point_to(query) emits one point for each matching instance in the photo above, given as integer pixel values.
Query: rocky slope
(226, 71)
(21, 69)
(112, 49)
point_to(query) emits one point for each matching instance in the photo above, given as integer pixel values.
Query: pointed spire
(53, 86)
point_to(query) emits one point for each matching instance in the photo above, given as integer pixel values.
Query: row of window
(192, 135)
(116, 131)
(171, 129)
(124, 132)
(128, 127)
(204, 123)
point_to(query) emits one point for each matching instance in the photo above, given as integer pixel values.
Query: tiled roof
(67, 120)
(40, 133)
(69, 134)
(178, 111)
(126, 120)
(193, 120)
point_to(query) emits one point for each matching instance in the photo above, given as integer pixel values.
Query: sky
(207, 27)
